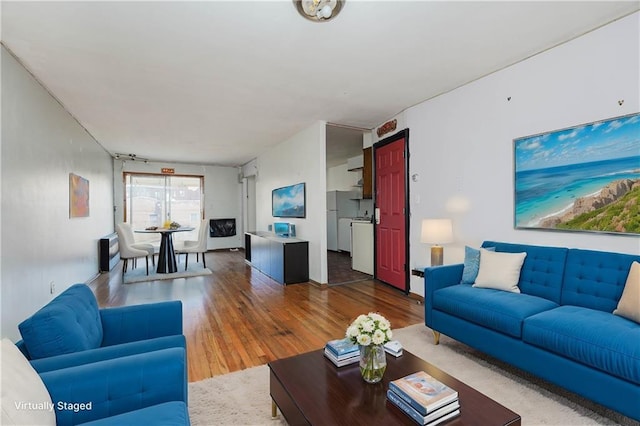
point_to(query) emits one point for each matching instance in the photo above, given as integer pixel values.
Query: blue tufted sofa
(560, 327)
(72, 330)
(129, 362)
(147, 388)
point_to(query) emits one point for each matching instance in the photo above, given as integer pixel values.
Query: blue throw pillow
(471, 264)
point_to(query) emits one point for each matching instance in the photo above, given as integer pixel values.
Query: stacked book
(425, 399)
(394, 348)
(342, 352)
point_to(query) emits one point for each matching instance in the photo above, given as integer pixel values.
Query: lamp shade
(436, 231)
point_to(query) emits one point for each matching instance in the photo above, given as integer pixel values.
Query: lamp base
(437, 255)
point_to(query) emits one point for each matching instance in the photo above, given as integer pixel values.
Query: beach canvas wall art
(584, 178)
(78, 196)
(289, 201)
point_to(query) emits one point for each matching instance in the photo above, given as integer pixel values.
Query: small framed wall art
(78, 196)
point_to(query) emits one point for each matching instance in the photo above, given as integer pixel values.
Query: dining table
(167, 256)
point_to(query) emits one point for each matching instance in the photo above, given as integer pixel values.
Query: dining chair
(141, 246)
(197, 247)
(127, 251)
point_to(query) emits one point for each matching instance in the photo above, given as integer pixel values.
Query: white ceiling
(220, 82)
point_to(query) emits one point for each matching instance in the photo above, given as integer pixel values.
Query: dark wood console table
(285, 259)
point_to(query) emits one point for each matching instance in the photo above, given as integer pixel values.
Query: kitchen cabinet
(367, 173)
(286, 260)
(362, 247)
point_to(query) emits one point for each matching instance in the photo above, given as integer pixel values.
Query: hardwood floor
(339, 269)
(238, 318)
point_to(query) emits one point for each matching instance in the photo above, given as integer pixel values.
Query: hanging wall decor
(387, 127)
(78, 196)
(584, 178)
(289, 201)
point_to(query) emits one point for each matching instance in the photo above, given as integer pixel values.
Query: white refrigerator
(340, 204)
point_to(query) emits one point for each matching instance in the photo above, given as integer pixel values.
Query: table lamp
(436, 232)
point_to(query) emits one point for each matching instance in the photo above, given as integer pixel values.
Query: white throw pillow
(25, 399)
(629, 304)
(500, 270)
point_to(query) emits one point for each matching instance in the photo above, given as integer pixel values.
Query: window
(151, 200)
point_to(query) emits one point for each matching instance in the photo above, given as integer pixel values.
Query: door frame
(381, 143)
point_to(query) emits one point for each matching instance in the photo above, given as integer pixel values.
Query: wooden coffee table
(309, 390)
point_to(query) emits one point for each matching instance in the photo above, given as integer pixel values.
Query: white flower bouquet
(370, 329)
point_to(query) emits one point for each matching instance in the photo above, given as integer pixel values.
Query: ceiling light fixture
(130, 157)
(318, 10)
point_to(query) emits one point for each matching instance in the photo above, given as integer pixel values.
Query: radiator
(109, 252)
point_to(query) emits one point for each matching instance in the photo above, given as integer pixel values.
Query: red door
(391, 227)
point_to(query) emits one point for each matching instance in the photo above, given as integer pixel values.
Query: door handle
(376, 214)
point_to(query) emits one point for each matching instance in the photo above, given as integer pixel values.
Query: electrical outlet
(52, 287)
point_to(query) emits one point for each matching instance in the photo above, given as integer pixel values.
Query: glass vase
(373, 362)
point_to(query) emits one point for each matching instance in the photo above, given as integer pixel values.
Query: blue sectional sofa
(560, 326)
(128, 362)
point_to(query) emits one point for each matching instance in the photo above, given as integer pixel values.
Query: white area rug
(242, 397)
(140, 273)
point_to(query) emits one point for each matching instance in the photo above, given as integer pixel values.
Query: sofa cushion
(22, 385)
(629, 304)
(594, 338)
(166, 414)
(495, 309)
(108, 352)
(500, 270)
(542, 271)
(471, 265)
(69, 323)
(595, 279)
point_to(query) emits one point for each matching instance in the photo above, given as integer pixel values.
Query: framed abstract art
(78, 196)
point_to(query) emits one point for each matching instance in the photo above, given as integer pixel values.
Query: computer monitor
(281, 228)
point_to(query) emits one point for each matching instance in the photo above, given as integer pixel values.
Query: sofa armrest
(437, 277)
(108, 352)
(139, 322)
(23, 348)
(117, 386)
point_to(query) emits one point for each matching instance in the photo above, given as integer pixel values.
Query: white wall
(461, 143)
(41, 145)
(249, 202)
(339, 178)
(222, 194)
(301, 158)
(249, 171)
